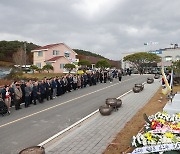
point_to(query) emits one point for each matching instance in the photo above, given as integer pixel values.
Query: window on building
(38, 65)
(40, 53)
(168, 58)
(66, 54)
(177, 57)
(55, 52)
(62, 66)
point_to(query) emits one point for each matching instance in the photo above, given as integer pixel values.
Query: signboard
(157, 131)
(157, 148)
(156, 52)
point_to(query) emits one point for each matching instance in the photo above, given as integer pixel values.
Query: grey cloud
(107, 27)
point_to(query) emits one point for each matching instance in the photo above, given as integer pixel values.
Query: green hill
(8, 48)
(88, 53)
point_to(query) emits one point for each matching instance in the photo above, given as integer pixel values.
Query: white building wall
(163, 53)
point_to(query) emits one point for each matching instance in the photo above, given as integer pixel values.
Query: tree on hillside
(141, 60)
(8, 48)
(103, 64)
(2, 56)
(87, 53)
(69, 67)
(33, 67)
(48, 67)
(20, 57)
(84, 63)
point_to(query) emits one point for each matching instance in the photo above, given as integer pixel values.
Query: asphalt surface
(31, 126)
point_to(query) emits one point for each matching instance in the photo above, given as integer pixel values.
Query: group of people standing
(30, 92)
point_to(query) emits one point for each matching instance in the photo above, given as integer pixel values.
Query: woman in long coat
(78, 81)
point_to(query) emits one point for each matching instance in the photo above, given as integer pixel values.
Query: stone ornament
(139, 85)
(110, 105)
(105, 110)
(150, 80)
(157, 76)
(136, 89)
(33, 150)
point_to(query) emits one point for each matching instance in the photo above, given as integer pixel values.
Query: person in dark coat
(31, 86)
(23, 85)
(54, 87)
(89, 79)
(105, 76)
(69, 83)
(93, 76)
(130, 72)
(48, 90)
(36, 93)
(82, 81)
(65, 81)
(85, 79)
(119, 75)
(97, 76)
(11, 89)
(63, 84)
(101, 76)
(28, 91)
(59, 87)
(141, 71)
(42, 89)
(74, 82)
(169, 77)
(6, 97)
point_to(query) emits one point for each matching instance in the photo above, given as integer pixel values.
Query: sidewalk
(96, 134)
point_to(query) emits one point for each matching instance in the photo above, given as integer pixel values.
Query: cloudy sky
(106, 27)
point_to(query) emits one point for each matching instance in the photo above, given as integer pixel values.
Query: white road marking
(61, 104)
(68, 128)
(76, 123)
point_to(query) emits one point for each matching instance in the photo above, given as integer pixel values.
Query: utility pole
(25, 54)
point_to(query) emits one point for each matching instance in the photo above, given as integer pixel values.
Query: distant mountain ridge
(88, 53)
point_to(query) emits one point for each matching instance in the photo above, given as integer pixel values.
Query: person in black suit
(105, 76)
(42, 89)
(101, 76)
(36, 93)
(48, 90)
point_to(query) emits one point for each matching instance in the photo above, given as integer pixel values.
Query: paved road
(94, 135)
(31, 126)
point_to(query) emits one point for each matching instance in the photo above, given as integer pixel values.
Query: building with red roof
(56, 55)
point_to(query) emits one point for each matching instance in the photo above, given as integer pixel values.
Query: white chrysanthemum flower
(134, 141)
(166, 140)
(153, 142)
(138, 140)
(144, 142)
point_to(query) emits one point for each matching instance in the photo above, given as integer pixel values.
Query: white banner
(157, 148)
(164, 131)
